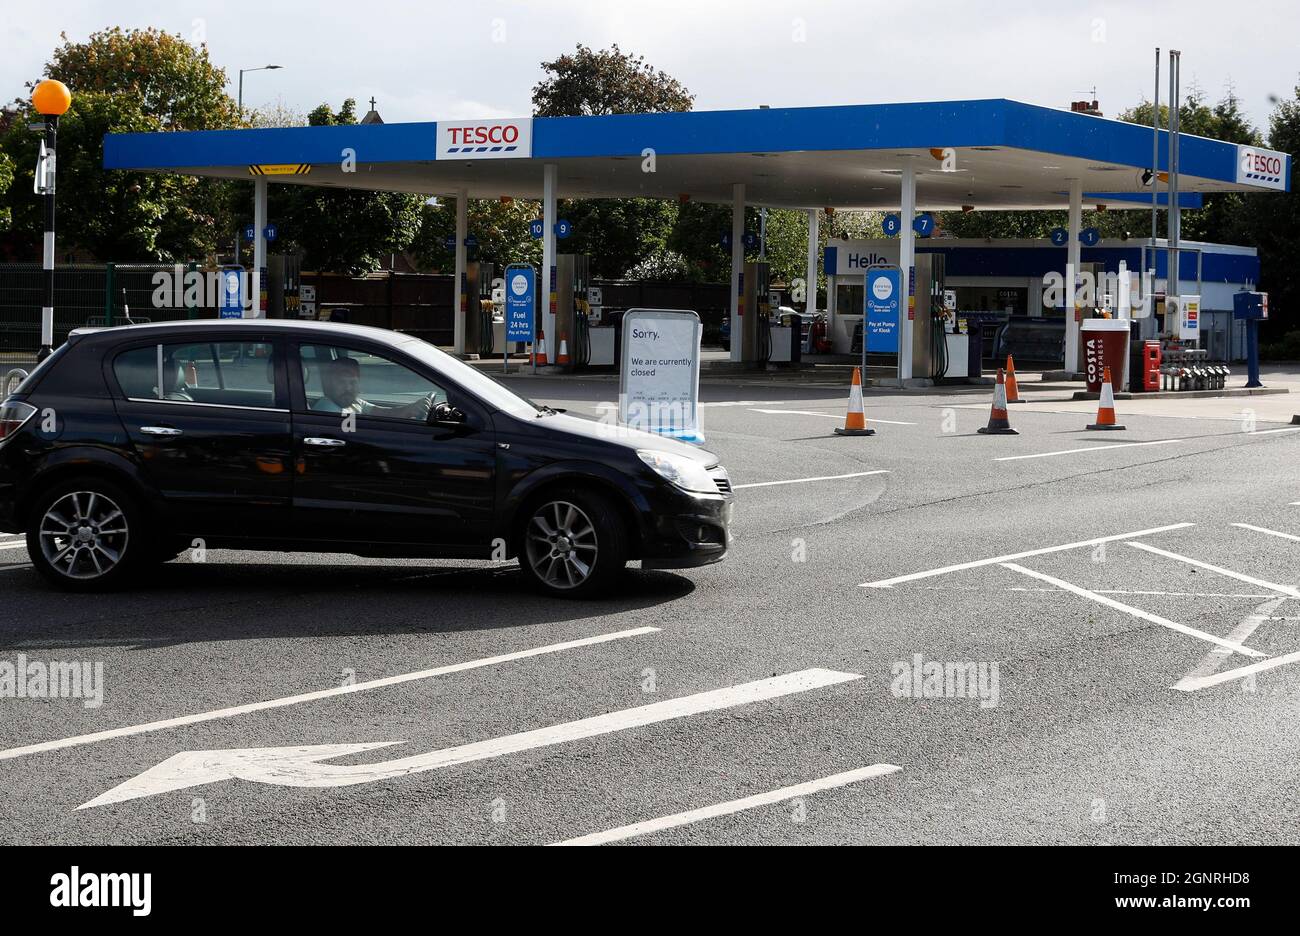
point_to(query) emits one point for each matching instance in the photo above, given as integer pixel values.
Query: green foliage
(6, 179)
(343, 230)
(610, 81)
(1274, 222)
(501, 229)
(123, 81)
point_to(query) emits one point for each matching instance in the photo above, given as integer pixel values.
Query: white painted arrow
(302, 767)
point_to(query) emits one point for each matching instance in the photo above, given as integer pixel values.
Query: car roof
(288, 327)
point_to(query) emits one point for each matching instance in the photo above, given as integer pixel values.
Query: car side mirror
(444, 414)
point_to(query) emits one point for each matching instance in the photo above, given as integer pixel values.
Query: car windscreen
(490, 391)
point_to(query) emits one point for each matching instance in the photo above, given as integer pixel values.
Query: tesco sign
(485, 139)
(1261, 167)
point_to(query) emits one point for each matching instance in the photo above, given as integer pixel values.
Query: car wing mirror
(444, 414)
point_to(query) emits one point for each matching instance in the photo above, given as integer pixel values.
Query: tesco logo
(502, 133)
(509, 138)
(1261, 163)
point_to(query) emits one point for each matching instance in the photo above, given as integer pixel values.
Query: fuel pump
(572, 325)
(478, 311)
(756, 314)
(929, 344)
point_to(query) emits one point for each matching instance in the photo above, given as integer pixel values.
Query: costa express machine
(755, 314)
(477, 295)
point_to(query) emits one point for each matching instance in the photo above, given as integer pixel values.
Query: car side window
(352, 381)
(226, 373)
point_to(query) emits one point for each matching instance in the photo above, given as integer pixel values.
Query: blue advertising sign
(923, 224)
(450, 242)
(521, 302)
(537, 227)
(891, 225)
(1089, 237)
(1060, 237)
(471, 241)
(880, 322)
(232, 293)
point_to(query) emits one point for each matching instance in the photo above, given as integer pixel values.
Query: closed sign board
(659, 382)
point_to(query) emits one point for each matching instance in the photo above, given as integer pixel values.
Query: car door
(370, 466)
(209, 420)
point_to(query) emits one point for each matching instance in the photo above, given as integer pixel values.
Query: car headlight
(687, 473)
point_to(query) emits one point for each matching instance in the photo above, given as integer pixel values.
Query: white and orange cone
(998, 423)
(855, 421)
(563, 359)
(539, 357)
(1013, 389)
(1106, 405)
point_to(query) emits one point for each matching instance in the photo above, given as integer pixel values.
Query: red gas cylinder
(1151, 365)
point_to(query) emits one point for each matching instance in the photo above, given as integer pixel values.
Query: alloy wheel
(561, 545)
(83, 535)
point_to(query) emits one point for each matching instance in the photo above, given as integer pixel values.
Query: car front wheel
(573, 544)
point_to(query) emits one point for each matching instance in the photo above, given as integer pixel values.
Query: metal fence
(84, 294)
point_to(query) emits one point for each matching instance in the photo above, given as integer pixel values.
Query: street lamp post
(51, 99)
(241, 81)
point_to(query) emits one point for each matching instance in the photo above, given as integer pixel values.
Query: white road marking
(898, 580)
(1136, 612)
(1091, 448)
(1272, 586)
(1271, 431)
(1247, 526)
(856, 474)
(734, 806)
(22, 544)
(1239, 634)
(130, 730)
(1190, 684)
(795, 412)
(17, 565)
(302, 767)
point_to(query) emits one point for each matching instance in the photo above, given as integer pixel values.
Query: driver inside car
(341, 381)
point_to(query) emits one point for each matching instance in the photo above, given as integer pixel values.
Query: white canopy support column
(906, 261)
(814, 216)
(737, 263)
(259, 248)
(550, 179)
(461, 299)
(1072, 261)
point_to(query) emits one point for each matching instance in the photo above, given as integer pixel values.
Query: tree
(610, 81)
(136, 81)
(343, 230)
(6, 179)
(500, 227)
(616, 234)
(1274, 225)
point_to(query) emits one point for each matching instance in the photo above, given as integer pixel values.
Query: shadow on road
(181, 603)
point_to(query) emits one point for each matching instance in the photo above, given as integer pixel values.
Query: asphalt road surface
(1114, 618)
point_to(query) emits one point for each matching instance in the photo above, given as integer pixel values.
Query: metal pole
(241, 92)
(1175, 222)
(47, 307)
(1155, 155)
(907, 264)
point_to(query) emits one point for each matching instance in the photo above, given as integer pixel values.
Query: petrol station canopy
(1005, 155)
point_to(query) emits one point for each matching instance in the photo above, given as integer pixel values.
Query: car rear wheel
(573, 544)
(86, 535)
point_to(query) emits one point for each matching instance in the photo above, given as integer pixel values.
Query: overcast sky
(439, 59)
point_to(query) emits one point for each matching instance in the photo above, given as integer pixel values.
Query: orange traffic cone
(539, 358)
(998, 424)
(855, 421)
(563, 359)
(1013, 391)
(1106, 405)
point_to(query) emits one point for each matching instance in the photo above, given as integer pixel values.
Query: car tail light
(12, 417)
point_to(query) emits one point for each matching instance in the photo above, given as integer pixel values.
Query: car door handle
(161, 431)
(323, 443)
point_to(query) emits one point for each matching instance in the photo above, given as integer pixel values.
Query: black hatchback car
(129, 445)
